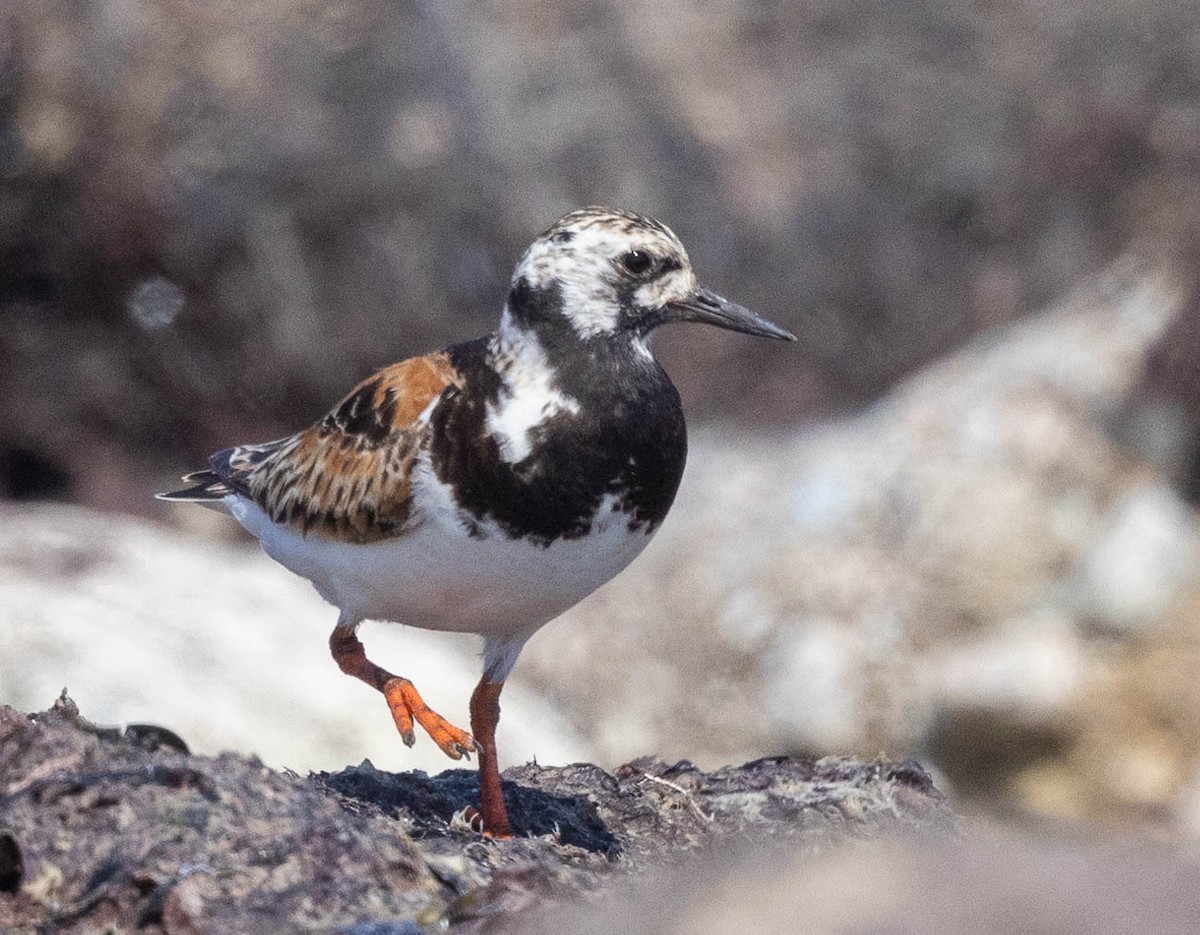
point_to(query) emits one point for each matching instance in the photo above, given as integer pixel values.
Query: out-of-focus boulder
(976, 569)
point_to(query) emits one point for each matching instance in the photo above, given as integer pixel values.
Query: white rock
(1145, 560)
(1030, 669)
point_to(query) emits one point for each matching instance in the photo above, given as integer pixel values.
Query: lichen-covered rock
(111, 830)
(102, 828)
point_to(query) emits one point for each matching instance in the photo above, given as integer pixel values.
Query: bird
(489, 487)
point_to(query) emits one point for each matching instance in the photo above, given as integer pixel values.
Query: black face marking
(563, 236)
(628, 440)
(537, 308)
(637, 320)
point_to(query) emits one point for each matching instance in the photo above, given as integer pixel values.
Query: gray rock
(101, 831)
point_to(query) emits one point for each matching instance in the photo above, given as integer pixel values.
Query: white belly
(438, 577)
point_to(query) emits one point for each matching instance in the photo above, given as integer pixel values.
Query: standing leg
(402, 697)
(485, 714)
(499, 656)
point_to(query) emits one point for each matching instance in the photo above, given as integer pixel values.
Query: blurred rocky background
(957, 521)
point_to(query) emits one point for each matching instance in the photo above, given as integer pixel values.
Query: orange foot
(407, 705)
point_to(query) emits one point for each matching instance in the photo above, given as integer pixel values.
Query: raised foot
(407, 705)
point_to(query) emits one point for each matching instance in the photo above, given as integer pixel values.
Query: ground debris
(99, 828)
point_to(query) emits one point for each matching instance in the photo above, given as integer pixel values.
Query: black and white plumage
(489, 487)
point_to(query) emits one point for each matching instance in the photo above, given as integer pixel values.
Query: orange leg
(485, 714)
(402, 698)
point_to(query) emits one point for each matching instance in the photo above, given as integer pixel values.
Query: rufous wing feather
(349, 475)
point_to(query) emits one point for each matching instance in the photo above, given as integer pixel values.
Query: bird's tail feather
(206, 485)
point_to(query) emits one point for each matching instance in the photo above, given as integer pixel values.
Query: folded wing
(349, 475)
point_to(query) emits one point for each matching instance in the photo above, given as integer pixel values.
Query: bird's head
(607, 274)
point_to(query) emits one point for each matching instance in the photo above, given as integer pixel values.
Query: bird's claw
(472, 818)
(456, 744)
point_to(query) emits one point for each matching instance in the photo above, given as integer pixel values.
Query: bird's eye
(637, 262)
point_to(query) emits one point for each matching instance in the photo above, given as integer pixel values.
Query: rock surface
(104, 830)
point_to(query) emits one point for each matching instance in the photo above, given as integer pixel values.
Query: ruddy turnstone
(488, 487)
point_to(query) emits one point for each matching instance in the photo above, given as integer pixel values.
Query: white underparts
(528, 395)
(442, 575)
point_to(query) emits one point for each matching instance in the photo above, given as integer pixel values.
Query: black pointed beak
(706, 306)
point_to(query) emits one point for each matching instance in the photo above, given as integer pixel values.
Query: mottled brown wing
(348, 476)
